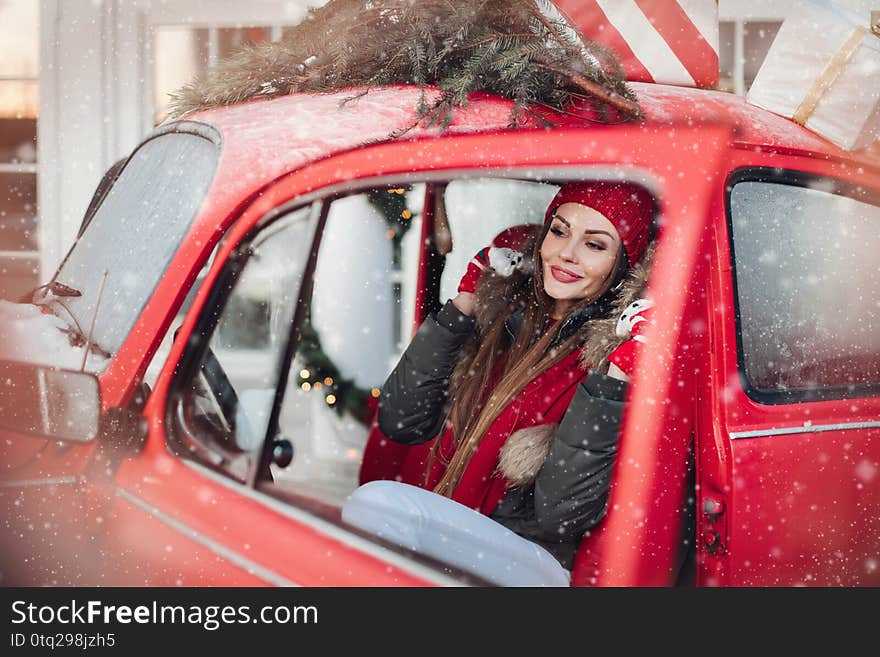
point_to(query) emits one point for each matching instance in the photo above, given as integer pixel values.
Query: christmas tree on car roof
(523, 50)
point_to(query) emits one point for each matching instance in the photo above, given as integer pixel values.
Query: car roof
(286, 132)
(756, 128)
(266, 138)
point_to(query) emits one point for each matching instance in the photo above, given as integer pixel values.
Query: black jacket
(569, 492)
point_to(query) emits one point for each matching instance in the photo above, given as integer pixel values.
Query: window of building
(19, 105)
(182, 53)
(742, 47)
(758, 36)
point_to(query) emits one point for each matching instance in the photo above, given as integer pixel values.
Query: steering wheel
(211, 408)
(220, 389)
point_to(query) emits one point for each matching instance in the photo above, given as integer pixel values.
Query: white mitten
(505, 261)
(633, 315)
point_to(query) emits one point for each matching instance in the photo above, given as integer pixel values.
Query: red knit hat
(628, 206)
(516, 237)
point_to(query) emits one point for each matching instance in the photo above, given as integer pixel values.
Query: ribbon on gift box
(832, 71)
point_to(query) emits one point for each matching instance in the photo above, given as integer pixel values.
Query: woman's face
(578, 255)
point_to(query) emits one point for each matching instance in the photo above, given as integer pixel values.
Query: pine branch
(614, 99)
(505, 47)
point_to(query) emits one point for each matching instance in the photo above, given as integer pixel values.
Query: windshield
(134, 235)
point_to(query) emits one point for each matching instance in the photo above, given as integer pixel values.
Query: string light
(331, 399)
(304, 374)
(316, 385)
(306, 386)
(406, 214)
(328, 380)
(375, 392)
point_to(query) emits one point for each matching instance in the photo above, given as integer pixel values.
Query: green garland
(317, 370)
(391, 203)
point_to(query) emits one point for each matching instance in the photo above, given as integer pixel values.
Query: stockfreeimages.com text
(211, 617)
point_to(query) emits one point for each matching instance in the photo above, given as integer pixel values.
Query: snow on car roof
(283, 134)
(755, 127)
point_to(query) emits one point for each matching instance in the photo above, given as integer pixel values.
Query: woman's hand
(465, 302)
(502, 260)
(477, 265)
(632, 324)
(467, 286)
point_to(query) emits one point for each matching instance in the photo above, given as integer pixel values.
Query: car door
(216, 496)
(789, 432)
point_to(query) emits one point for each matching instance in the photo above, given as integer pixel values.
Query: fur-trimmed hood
(525, 451)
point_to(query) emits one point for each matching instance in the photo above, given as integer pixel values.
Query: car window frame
(209, 311)
(321, 200)
(260, 485)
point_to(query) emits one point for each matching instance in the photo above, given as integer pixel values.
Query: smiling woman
(18, 139)
(534, 392)
(582, 250)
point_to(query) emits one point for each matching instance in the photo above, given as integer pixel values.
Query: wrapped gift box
(665, 41)
(823, 71)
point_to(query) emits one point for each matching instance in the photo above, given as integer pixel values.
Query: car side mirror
(49, 402)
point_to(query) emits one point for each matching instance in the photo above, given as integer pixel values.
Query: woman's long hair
(529, 356)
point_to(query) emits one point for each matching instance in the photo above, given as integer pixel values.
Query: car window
(477, 210)
(807, 284)
(357, 323)
(121, 256)
(158, 360)
(353, 331)
(224, 403)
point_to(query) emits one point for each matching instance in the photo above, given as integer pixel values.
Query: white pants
(441, 528)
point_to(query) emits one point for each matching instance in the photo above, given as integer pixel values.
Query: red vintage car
(188, 401)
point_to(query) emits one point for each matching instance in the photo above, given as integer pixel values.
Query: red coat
(543, 401)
